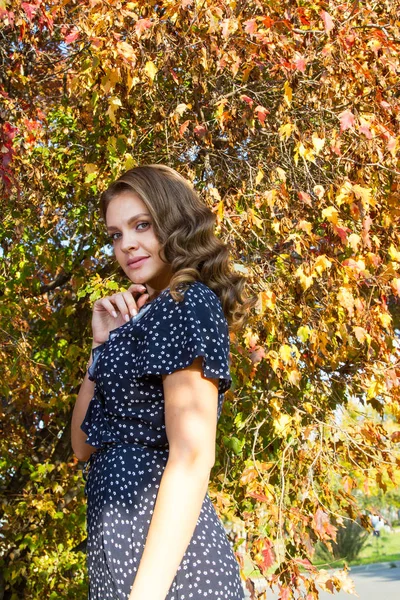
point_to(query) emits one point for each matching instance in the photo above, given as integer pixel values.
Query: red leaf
(261, 113)
(346, 120)
(268, 555)
(142, 25)
(174, 76)
(341, 232)
(200, 131)
(247, 99)
(260, 497)
(30, 9)
(250, 26)
(257, 355)
(71, 37)
(300, 64)
(284, 593)
(366, 131)
(328, 21)
(322, 525)
(306, 198)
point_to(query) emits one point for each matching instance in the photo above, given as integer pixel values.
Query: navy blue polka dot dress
(125, 422)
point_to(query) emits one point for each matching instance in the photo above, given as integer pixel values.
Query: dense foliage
(285, 116)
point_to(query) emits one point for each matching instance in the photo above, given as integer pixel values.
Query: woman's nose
(129, 242)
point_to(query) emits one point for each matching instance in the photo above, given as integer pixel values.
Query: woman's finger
(141, 301)
(131, 303)
(120, 302)
(137, 288)
(106, 304)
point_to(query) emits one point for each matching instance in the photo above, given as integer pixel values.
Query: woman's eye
(114, 236)
(145, 225)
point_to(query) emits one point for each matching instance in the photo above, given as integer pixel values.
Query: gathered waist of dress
(109, 446)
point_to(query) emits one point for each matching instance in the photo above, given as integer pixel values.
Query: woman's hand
(112, 311)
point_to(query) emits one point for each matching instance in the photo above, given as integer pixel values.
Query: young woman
(146, 415)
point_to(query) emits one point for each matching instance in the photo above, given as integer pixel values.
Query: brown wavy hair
(184, 226)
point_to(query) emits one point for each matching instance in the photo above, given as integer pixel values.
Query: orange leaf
(183, 127)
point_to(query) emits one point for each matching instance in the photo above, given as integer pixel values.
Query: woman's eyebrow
(130, 221)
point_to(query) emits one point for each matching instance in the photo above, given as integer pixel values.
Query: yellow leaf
(220, 211)
(280, 174)
(114, 104)
(322, 263)
(270, 196)
(344, 194)
(385, 319)
(126, 51)
(90, 168)
(266, 300)
(285, 353)
(354, 240)
(305, 226)
(294, 377)
(331, 214)
(214, 193)
(305, 280)
(345, 299)
(130, 162)
(259, 176)
(304, 332)
(285, 131)
(151, 70)
(282, 423)
(287, 93)
(110, 79)
(361, 334)
(394, 254)
(254, 220)
(318, 142)
(203, 59)
(363, 194)
(395, 285)
(131, 81)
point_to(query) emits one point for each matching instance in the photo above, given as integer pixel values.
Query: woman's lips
(137, 263)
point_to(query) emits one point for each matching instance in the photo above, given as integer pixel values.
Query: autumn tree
(285, 116)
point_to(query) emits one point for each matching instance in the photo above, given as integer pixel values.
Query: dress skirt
(121, 488)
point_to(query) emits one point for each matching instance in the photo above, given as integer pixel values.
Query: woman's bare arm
(191, 403)
(78, 437)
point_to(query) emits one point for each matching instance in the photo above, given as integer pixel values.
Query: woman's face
(136, 247)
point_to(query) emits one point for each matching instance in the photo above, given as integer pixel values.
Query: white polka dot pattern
(125, 422)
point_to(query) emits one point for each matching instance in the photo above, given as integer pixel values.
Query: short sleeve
(178, 332)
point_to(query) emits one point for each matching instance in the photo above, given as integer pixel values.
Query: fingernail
(133, 312)
(126, 318)
(114, 314)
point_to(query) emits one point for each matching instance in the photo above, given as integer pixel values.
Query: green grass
(385, 548)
